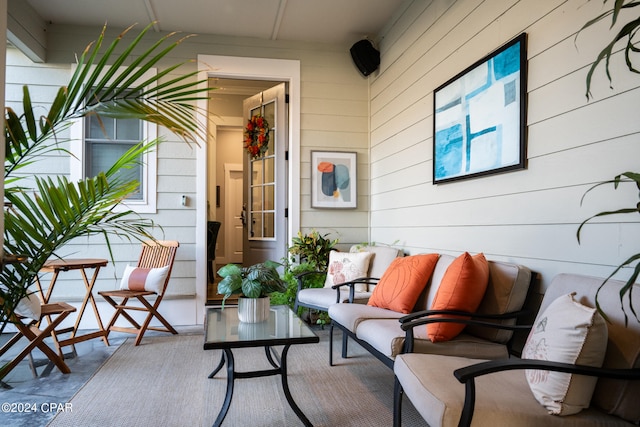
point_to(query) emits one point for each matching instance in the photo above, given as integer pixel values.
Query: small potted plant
(254, 283)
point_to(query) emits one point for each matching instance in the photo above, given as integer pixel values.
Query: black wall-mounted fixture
(365, 56)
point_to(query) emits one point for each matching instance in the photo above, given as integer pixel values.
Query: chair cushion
(351, 315)
(325, 297)
(144, 279)
(386, 336)
(462, 288)
(401, 285)
(568, 332)
(29, 307)
(347, 266)
(502, 399)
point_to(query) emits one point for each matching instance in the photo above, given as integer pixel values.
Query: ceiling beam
(26, 30)
(276, 25)
(152, 15)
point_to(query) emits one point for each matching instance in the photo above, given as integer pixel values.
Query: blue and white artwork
(477, 117)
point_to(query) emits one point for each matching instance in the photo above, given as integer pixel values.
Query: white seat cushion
(325, 297)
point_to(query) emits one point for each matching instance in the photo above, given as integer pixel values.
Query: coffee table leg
(220, 365)
(270, 353)
(285, 388)
(227, 398)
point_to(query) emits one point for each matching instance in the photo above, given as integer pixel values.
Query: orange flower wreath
(256, 136)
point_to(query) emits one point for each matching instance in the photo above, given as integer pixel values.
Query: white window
(97, 142)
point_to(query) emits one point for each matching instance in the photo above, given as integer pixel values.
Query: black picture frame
(479, 117)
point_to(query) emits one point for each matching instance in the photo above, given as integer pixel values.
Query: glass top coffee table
(224, 331)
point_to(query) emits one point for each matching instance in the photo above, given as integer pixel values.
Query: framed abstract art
(480, 117)
(333, 180)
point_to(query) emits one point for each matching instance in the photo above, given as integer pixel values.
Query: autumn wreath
(256, 136)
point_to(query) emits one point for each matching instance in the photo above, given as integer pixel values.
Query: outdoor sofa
(380, 330)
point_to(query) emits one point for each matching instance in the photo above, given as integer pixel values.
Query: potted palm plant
(40, 220)
(255, 283)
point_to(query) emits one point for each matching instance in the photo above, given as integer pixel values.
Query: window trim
(149, 201)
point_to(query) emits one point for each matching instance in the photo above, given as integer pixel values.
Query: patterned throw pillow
(144, 279)
(346, 266)
(400, 286)
(568, 332)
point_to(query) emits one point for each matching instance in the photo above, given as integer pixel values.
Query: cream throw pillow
(144, 279)
(347, 266)
(29, 307)
(568, 332)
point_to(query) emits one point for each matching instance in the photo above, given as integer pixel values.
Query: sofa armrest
(407, 323)
(468, 374)
(351, 284)
(300, 277)
(425, 313)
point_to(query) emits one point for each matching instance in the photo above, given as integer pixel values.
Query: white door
(233, 229)
(265, 185)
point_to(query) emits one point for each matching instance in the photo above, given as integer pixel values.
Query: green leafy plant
(40, 220)
(627, 177)
(628, 31)
(313, 248)
(291, 271)
(256, 281)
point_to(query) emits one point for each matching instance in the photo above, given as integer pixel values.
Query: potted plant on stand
(254, 283)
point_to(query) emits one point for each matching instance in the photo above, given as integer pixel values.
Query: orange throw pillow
(402, 282)
(462, 288)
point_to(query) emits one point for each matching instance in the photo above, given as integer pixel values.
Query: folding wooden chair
(28, 328)
(154, 256)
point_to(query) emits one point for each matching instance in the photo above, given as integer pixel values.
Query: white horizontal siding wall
(529, 216)
(334, 116)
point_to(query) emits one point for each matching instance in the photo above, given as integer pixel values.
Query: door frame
(235, 67)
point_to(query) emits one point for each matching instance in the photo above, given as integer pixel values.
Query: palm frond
(56, 211)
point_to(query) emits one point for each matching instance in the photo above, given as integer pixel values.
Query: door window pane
(269, 225)
(269, 198)
(256, 172)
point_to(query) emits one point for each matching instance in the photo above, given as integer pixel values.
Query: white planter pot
(253, 310)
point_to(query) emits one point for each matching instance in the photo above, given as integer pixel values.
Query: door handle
(243, 215)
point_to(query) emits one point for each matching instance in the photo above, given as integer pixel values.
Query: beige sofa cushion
(325, 297)
(350, 315)
(502, 399)
(387, 337)
(506, 293)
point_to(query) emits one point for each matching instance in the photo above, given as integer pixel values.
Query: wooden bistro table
(56, 266)
(224, 331)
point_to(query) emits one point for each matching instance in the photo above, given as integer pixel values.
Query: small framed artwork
(333, 180)
(480, 117)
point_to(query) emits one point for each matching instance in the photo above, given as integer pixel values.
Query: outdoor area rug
(163, 382)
